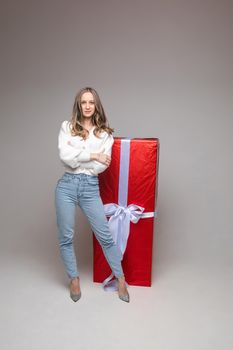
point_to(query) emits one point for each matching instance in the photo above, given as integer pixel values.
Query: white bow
(119, 222)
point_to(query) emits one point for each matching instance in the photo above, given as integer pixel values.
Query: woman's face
(87, 104)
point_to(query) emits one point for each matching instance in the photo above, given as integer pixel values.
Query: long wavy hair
(99, 119)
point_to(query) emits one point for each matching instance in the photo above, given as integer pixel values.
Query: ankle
(121, 280)
(74, 280)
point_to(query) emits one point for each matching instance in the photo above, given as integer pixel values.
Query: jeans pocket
(64, 180)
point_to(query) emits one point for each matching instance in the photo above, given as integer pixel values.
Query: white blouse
(76, 155)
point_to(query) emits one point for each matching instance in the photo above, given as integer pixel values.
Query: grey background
(162, 69)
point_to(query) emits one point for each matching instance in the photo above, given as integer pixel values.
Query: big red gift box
(140, 166)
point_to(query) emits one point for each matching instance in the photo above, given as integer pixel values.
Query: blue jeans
(83, 190)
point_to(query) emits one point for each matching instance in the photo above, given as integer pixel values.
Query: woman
(85, 145)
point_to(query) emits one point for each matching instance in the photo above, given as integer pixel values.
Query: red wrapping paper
(142, 190)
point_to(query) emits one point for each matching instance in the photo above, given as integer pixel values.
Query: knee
(106, 242)
(65, 238)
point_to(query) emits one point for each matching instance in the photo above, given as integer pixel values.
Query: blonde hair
(99, 119)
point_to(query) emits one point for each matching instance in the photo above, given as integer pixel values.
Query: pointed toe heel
(75, 297)
(124, 297)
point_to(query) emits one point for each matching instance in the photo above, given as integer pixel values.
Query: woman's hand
(101, 157)
(104, 158)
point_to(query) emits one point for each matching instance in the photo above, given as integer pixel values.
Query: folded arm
(96, 166)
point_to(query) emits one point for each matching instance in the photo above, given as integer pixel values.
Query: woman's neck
(87, 124)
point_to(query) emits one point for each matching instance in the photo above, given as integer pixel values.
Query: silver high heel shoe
(75, 297)
(124, 297)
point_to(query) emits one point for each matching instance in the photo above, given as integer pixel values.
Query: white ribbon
(120, 214)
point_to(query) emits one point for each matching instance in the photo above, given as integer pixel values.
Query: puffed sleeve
(67, 153)
(96, 166)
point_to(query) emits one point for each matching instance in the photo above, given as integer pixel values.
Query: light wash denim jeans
(83, 190)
